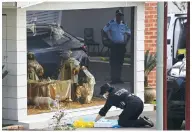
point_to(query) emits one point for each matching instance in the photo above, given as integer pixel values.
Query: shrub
(59, 122)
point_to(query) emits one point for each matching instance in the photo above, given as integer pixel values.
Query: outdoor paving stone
(150, 114)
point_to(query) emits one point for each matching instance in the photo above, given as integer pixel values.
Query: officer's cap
(119, 12)
(104, 88)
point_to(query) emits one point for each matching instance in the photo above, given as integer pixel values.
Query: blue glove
(116, 126)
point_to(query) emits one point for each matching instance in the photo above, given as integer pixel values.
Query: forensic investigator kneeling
(132, 107)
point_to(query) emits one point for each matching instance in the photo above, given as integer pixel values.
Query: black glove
(122, 105)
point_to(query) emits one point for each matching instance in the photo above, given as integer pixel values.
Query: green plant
(104, 59)
(126, 60)
(150, 64)
(148, 98)
(4, 74)
(153, 102)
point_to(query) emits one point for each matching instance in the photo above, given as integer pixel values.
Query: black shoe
(147, 121)
(146, 118)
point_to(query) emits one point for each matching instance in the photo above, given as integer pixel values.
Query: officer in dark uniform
(118, 34)
(132, 107)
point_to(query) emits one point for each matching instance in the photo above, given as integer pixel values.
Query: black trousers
(116, 60)
(129, 116)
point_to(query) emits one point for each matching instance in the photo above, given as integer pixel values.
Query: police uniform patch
(107, 24)
(120, 92)
(112, 21)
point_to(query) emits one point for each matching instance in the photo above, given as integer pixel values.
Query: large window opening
(65, 65)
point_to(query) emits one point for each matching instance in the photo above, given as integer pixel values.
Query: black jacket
(116, 98)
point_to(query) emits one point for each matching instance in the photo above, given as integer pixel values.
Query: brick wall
(151, 34)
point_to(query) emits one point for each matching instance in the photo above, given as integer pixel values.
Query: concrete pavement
(149, 114)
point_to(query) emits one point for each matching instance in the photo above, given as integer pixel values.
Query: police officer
(116, 31)
(132, 107)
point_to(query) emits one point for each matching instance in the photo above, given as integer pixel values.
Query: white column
(139, 50)
(160, 64)
(15, 88)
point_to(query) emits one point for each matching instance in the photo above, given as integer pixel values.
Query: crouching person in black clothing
(132, 107)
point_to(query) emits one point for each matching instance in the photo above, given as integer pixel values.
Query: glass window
(57, 36)
(52, 35)
(180, 34)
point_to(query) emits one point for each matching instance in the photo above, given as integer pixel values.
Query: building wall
(139, 50)
(151, 34)
(74, 21)
(151, 31)
(173, 9)
(44, 16)
(14, 89)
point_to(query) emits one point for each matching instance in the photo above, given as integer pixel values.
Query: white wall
(139, 26)
(44, 16)
(74, 21)
(14, 89)
(173, 9)
(14, 104)
(70, 5)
